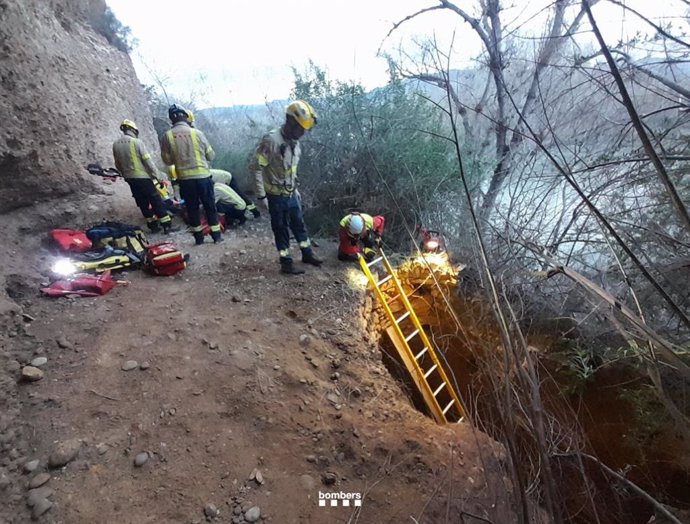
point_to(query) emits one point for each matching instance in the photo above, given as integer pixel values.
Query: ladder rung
(411, 335)
(445, 410)
(431, 370)
(402, 318)
(438, 389)
(375, 261)
(418, 355)
(384, 280)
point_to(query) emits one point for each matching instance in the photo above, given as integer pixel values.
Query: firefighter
(224, 177)
(357, 228)
(188, 150)
(134, 162)
(274, 165)
(230, 204)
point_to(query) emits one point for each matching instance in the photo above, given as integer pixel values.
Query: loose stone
(39, 480)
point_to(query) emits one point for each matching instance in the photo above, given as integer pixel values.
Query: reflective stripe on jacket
(132, 159)
(188, 150)
(274, 165)
(226, 195)
(219, 176)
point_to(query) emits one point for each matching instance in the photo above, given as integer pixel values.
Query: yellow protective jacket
(220, 176)
(274, 165)
(132, 159)
(188, 150)
(225, 195)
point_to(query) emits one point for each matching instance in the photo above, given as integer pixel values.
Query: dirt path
(248, 369)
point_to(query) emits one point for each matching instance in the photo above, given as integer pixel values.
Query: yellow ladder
(422, 363)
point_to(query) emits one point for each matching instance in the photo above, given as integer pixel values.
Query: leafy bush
(373, 152)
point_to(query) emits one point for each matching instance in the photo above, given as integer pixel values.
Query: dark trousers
(231, 213)
(148, 199)
(197, 191)
(286, 216)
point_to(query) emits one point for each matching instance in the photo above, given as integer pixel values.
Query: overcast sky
(231, 52)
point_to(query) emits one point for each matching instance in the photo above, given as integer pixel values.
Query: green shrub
(370, 152)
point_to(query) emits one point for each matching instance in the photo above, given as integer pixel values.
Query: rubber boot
(168, 227)
(198, 237)
(308, 257)
(154, 226)
(217, 237)
(286, 266)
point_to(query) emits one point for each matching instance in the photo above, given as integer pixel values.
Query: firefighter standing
(134, 162)
(355, 228)
(189, 151)
(275, 168)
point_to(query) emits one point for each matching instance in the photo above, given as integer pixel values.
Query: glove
(263, 202)
(378, 240)
(369, 254)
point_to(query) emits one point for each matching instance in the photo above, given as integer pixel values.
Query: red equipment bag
(164, 259)
(70, 240)
(81, 285)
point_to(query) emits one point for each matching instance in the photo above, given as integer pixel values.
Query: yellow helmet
(128, 124)
(303, 113)
(190, 118)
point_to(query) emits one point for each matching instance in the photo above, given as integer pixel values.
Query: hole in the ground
(618, 424)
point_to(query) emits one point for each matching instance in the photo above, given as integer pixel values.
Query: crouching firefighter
(357, 228)
(230, 204)
(188, 150)
(133, 161)
(220, 176)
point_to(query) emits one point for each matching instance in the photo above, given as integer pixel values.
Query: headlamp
(64, 267)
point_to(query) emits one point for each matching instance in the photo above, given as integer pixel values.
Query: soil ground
(249, 369)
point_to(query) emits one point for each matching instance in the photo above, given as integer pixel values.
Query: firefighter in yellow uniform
(274, 165)
(230, 204)
(188, 150)
(224, 177)
(133, 161)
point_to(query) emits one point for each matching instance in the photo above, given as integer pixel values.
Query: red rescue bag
(70, 240)
(164, 259)
(81, 285)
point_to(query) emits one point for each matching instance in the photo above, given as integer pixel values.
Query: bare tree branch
(658, 28)
(637, 123)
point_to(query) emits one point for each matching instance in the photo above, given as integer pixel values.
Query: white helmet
(355, 225)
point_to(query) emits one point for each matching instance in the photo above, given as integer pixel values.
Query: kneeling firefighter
(220, 176)
(357, 228)
(133, 161)
(230, 204)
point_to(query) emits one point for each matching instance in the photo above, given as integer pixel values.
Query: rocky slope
(63, 91)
